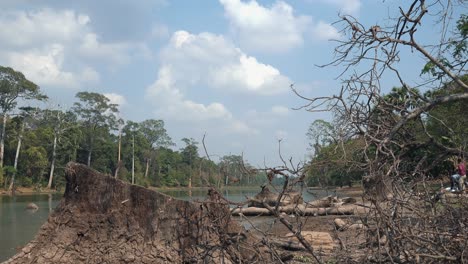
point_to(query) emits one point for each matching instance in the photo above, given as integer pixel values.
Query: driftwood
(104, 220)
(270, 198)
(303, 210)
(327, 206)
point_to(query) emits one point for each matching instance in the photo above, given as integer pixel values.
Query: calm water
(18, 225)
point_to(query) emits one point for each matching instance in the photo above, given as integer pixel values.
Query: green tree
(97, 115)
(14, 86)
(26, 117)
(320, 133)
(156, 136)
(61, 123)
(190, 157)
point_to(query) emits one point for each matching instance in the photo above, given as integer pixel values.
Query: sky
(221, 68)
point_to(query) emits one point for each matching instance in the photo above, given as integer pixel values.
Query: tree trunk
(119, 163)
(89, 157)
(2, 139)
(133, 160)
(147, 167)
(18, 148)
(52, 165)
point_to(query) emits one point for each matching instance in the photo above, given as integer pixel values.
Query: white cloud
(325, 31)
(211, 60)
(46, 67)
(259, 28)
(115, 98)
(56, 47)
(32, 29)
(172, 102)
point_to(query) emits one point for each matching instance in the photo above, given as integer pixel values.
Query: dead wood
(303, 210)
(270, 198)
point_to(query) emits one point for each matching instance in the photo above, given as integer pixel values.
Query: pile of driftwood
(292, 203)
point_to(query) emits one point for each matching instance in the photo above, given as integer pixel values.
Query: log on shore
(105, 220)
(271, 199)
(302, 210)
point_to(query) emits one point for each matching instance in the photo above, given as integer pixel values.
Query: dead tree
(416, 230)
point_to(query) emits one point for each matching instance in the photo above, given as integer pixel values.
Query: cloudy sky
(220, 67)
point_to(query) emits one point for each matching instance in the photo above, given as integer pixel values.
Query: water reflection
(19, 225)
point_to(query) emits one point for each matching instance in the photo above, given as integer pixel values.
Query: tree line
(428, 129)
(36, 144)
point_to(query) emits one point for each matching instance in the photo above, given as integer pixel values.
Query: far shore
(29, 191)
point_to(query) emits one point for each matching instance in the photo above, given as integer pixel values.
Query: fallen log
(301, 210)
(271, 199)
(101, 219)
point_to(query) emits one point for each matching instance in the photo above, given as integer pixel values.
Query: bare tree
(395, 126)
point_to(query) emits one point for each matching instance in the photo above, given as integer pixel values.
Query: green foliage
(86, 132)
(455, 52)
(13, 86)
(337, 164)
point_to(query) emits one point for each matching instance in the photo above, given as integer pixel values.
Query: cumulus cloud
(260, 28)
(207, 61)
(325, 31)
(115, 98)
(55, 47)
(46, 67)
(172, 104)
(211, 60)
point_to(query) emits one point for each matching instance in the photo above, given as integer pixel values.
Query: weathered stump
(104, 220)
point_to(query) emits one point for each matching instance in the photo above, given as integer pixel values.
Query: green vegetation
(36, 144)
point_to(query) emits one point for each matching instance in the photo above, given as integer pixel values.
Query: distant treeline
(36, 144)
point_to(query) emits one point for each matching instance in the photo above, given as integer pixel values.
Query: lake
(18, 225)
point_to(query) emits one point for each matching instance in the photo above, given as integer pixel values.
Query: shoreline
(29, 191)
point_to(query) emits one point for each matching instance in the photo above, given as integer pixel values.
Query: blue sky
(217, 67)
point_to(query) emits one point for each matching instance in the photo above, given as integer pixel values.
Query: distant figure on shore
(457, 182)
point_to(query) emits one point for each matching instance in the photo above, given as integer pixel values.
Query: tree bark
(52, 165)
(89, 157)
(147, 167)
(18, 148)
(2, 139)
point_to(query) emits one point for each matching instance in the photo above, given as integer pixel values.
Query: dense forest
(37, 143)
(338, 156)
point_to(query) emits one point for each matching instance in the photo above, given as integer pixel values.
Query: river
(18, 225)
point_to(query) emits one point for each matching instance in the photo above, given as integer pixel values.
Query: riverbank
(29, 191)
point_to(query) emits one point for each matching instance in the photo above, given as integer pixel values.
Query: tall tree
(156, 135)
(60, 122)
(190, 156)
(98, 115)
(14, 86)
(396, 159)
(26, 116)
